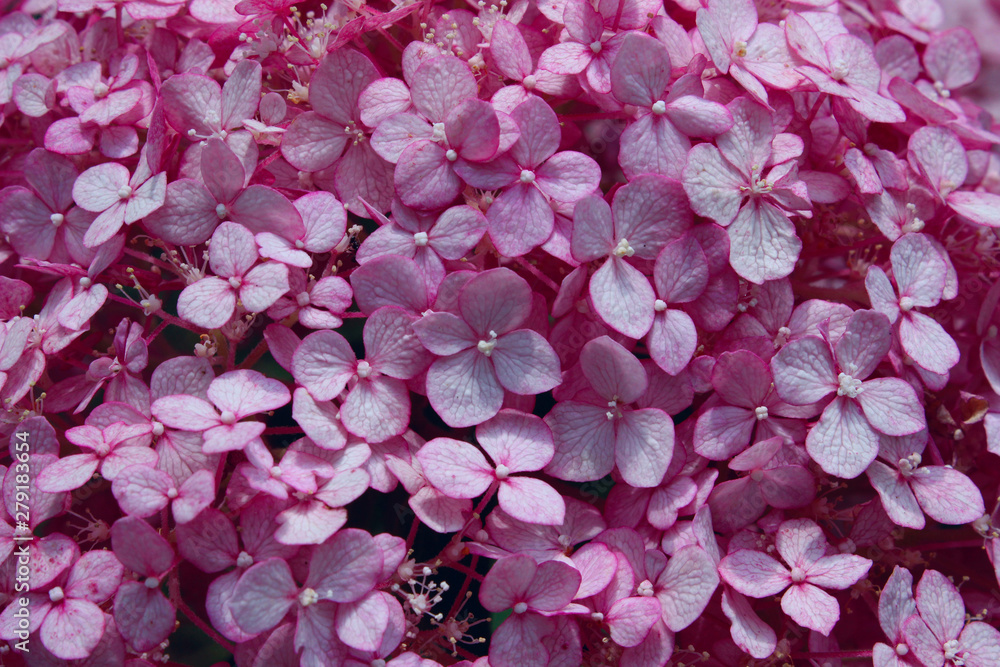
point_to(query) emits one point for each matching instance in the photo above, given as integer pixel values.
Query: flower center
(438, 133)
(849, 387)
(244, 560)
(623, 249)
(228, 417)
(100, 89)
(420, 239)
(798, 575)
(56, 594)
(502, 472)
(520, 607)
(740, 49)
(235, 282)
(308, 596)
(596, 616)
(909, 465)
(645, 589)
(596, 46)
(529, 82)
(124, 192)
(172, 493)
(902, 649)
(757, 475)
(760, 412)
(275, 471)
(158, 429)
(302, 298)
(486, 346)
(951, 649)
(57, 219)
(659, 107)
(220, 210)
(527, 176)
(451, 155)
(659, 305)
(151, 582)
(906, 304)
(364, 369)
(841, 70)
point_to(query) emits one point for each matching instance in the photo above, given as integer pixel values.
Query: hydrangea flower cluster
(507, 333)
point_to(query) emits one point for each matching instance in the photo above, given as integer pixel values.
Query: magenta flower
(908, 489)
(845, 440)
(534, 594)
(600, 430)
(515, 442)
(586, 49)
(532, 175)
(377, 407)
(643, 217)
(198, 108)
(728, 185)
(939, 633)
(118, 198)
(803, 547)
(109, 453)
(658, 141)
(229, 398)
(143, 491)
(513, 60)
(211, 301)
(146, 553)
(483, 351)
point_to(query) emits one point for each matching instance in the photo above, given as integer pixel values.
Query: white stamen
(151, 582)
(902, 649)
(849, 387)
(529, 82)
(451, 155)
(623, 249)
(420, 239)
(527, 176)
(798, 575)
(158, 429)
(364, 369)
(760, 412)
(308, 596)
(56, 594)
(520, 607)
(228, 417)
(235, 282)
(486, 346)
(645, 589)
(659, 305)
(906, 304)
(502, 472)
(659, 107)
(438, 133)
(596, 46)
(124, 192)
(220, 210)
(172, 493)
(909, 465)
(57, 219)
(244, 560)
(302, 298)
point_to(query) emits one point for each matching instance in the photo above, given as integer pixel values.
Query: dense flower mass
(499, 333)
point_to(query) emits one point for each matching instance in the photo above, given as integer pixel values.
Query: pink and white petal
(644, 446)
(566, 58)
(382, 99)
(444, 333)
(497, 300)
(723, 431)
(672, 340)
(231, 438)
(187, 216)
(613, 372)
(568, 176)
(641, 71)
(947, 495)
(652, 145)
(390, 280)
(532, 501)
(754, 573)
(455, 468)
(263, 209)
(897, 497)
(891, 406)
(520, 441)
(811, 607)
(763, 243)
(842, 442)
(425, 178)
(98, 188)
(143, 615)
(919, 269)
(839, 572)
(208, 303)
(584, 442)
(246, 392)
(473, 130)
(463, 388)
(441, 513)
(940, 605)
(925, 647)
(361, 624)
(685, 587)
(68, 473)
(525, 363)
(263, 596)
(881, 294)
(263, 286)
(681, 271)
(147, 198)
(748, 632)
(650, 211)
(507, 583)
(377, 410)
(981, 643)
(520, 219)
(233, 250)
(630, 620)
(196, 493)
(979, 207)
(803, 371)
(927, 343)
(185, 412)
(312, 142)
(73, 629)
(457, 231)
(593, 229)
(623, 297)
(440, 84)
(142, 491)
(518, 641)
(323, 363)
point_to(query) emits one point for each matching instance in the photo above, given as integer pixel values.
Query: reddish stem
(533, 270)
